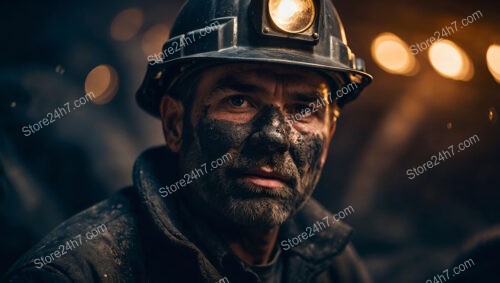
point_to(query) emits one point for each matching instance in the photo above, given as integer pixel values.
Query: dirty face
(276, 160)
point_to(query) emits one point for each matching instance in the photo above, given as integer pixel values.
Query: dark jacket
(149, 239)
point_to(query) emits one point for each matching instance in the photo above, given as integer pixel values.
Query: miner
(240, 177)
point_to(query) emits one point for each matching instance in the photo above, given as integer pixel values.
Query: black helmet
(303, 33)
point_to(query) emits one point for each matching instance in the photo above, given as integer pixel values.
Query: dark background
(406, 230)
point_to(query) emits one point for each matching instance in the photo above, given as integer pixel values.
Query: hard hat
(302, 33)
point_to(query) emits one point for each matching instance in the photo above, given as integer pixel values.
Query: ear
(172, 113)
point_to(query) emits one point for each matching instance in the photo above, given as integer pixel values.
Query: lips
(266, 177)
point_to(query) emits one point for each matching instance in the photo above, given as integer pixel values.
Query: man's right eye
(237, 100)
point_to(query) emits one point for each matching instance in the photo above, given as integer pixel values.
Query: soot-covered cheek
(306, 150)
(219, 136)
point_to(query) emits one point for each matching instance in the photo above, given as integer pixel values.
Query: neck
(253, 247)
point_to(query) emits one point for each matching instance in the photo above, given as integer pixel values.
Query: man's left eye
(238, 101)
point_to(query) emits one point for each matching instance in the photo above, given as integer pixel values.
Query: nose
(272, 131)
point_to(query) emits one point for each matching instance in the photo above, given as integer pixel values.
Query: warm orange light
(492, 115)
(450, 61)
(493, 61)
(126, 24)
(154, 38)
(293, 16)
(393, 55)
(102, 81)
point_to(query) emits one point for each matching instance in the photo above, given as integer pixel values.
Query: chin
(257, 213)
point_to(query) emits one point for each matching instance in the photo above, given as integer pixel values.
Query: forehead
(262, 74)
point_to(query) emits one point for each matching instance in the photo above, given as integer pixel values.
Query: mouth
(266, 177)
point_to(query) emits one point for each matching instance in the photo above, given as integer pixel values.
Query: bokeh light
(450, 61)
(493, 61)
(154, 38)
(126, 24)
(492, 115)
(60, 70)
(393, 55)
(102, 81)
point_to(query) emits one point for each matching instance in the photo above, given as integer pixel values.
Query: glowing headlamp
(293, 16)
(292, 19)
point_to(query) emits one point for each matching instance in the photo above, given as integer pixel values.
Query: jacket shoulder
(94, 245)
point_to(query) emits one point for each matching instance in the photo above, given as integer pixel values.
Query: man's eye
(237, 101)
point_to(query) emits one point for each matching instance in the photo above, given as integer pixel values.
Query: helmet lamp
(292, 16)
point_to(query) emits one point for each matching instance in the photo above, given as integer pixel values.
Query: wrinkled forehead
(262, 75)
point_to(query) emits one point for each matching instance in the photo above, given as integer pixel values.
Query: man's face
(276, 160)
